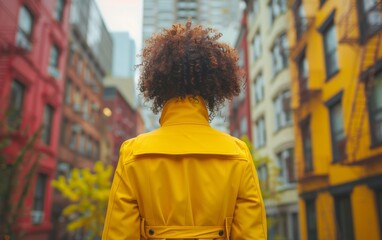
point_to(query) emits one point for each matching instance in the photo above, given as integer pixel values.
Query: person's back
(185, 180)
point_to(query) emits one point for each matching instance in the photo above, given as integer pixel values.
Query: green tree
(88, 193)
(15, 183)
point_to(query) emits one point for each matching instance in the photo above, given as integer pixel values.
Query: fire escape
(303, 23)
(365, 34)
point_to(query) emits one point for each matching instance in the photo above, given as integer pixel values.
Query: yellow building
(336, 67)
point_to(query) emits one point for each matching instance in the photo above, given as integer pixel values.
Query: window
(285, 161)
(259, 88)
(307, 145)
(262, 172)
(256, 46)
(79, 66)
(255, 9)
(344, 217)
(280, 54)
(58, 14)
(63, 169)
(47, 124)
(63, 134)
(260, 132)
(300, 19)
(295, 226)
(81, 146)
(303, 75)
(68, 92)
(277, 7)
(85, 109)
(330, 45)
(372, 16)
(89, 146)
(53, 62)
(16, 103)
(96, 150)
(73, 136)
(337, 131)
(311, 224)
(282, 110)
(24, 31)
(38, 199)
(375, 105)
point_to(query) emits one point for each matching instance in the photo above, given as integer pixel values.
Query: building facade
(239, 111)
(158, 14)
(269, 84)
(122, 120)
(32, 61)
(82, 125)
(336, 65)
(123, 55)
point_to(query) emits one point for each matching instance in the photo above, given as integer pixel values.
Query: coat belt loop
(143, 232)
(227, 225)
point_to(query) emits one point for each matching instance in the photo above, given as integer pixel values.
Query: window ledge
(375, 144)
(288, 125)
(330, 77)
(273, 79)
(286, 186)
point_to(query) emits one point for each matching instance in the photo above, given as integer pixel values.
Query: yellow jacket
(185, 180)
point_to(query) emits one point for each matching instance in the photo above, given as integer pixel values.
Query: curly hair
(189, 61)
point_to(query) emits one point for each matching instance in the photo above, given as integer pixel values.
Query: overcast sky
(123, 15)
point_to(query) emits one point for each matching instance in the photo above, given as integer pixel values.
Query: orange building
(336, 66)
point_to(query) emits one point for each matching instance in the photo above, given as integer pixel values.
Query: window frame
(59, 12)
(23, 38)
(259, 134)
(257, 39)
(283, 118)
(39, 201)
(338, 154)
(287, 167)
(325, 28)
(281, 53)
(364, 25)
(15, 117)
(312, 233)
(372, 112)
(259, 85)
(349, 215)
(305, 129)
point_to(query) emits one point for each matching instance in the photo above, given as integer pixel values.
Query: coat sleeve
(249, 218)
(122, 219)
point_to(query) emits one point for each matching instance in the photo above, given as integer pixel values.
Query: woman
(186, 180)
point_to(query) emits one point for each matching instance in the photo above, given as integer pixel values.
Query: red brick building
(122, 121)
(240, 120)
(33, 49)
(82, 129)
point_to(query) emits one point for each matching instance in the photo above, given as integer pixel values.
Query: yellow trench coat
(185, 180)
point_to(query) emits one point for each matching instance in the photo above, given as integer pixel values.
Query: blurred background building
(33, 52)
(312, 103)
(159, 14)
(336, 67)
(90, 52)
(263, 111)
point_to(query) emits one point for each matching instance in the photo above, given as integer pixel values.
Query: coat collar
(190, 110)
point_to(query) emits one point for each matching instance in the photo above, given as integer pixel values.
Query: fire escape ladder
(348, 23)
(362, 91)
